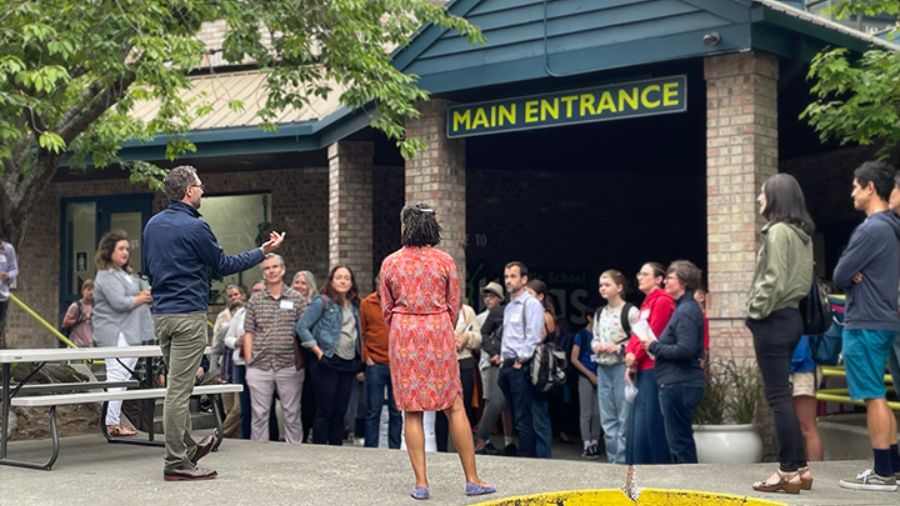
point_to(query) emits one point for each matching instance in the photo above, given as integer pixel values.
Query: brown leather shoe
(189, 472)
(204, 447)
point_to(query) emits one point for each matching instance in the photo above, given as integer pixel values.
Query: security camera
(712, 39)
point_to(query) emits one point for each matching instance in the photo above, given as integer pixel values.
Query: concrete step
(845, 436)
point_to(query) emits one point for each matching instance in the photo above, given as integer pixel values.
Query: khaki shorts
(804, 383)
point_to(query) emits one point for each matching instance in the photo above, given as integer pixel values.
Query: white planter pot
(728, 444)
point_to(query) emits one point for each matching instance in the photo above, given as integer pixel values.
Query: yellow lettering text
(645, 96)
(531, 111)
(606, 103)
(568, 101)
(670, 93)
(629, 96)
(462, 118)
(586, 104)
(507, 114)
(549, 108)
(480, 119)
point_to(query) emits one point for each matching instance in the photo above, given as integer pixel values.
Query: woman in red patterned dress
(420, 299)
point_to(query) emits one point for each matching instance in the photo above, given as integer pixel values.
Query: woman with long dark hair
(121, 315)
(540, 410)
(420, 299)
(783, 276)
(329, 328)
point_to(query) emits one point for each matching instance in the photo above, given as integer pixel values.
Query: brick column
(437, 175)
(742, 151)
(350, 209)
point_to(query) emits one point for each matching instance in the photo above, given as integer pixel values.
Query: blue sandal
(420, 493)
(476, 489)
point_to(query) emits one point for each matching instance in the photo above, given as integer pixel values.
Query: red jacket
(661, 306)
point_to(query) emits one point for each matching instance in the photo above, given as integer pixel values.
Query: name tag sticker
(286, 304)
(516, 317)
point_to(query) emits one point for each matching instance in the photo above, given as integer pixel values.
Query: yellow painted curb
(606, 497)
(617, 497)
(661, 496)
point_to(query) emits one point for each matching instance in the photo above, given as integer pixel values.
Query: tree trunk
(17, 199)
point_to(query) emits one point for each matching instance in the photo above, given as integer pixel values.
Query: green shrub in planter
(732, 395)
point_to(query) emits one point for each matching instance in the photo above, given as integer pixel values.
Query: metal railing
(841, 395)
(43, 322)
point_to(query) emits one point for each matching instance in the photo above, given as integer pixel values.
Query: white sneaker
(868, 480)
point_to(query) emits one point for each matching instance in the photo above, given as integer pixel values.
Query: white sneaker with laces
(868, 480)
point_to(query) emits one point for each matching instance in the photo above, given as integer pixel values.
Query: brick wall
(299, 205)
(742, 151)
(437, 175)
(350, 209)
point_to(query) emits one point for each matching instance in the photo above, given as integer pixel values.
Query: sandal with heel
(784, 483)
(806, 478)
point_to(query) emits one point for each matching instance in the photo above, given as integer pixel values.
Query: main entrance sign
(600, 103)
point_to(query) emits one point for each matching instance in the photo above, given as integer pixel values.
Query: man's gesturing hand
(275, 240)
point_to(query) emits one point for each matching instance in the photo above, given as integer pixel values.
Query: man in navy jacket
(179, 252)
(869, 270)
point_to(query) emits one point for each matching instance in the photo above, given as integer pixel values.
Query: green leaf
(51, 142)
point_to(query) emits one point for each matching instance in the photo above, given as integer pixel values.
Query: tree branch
(79, 118)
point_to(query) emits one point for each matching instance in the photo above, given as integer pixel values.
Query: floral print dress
(420, 299)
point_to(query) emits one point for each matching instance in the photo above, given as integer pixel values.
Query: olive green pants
(182, 338)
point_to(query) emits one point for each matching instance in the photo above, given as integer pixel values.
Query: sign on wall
(600, 103)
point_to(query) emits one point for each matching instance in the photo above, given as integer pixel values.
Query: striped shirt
(271, 321)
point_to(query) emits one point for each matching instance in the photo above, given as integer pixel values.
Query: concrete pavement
(92, 473)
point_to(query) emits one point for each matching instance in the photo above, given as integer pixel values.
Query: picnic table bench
(22, 394)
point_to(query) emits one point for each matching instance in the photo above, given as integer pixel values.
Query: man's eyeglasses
(203, 188)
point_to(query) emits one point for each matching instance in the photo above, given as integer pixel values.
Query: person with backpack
(543, 428)
(784, 274)
(76, 324)
(611, 329)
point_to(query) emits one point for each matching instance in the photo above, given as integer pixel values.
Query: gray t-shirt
(346, 345)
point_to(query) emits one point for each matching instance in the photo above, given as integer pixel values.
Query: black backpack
(815, 309)
(66, 331)
(623, 316)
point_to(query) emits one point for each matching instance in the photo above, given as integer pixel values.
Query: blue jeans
(519, 394)
(678, 402)
(646, 442)
(613, 410)
(543, 432)
(378, 378)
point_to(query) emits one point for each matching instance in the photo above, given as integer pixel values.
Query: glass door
(84, 221)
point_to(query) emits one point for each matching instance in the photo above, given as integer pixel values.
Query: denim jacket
(321, 324)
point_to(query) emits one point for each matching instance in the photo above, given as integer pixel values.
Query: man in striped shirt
(271, 353)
